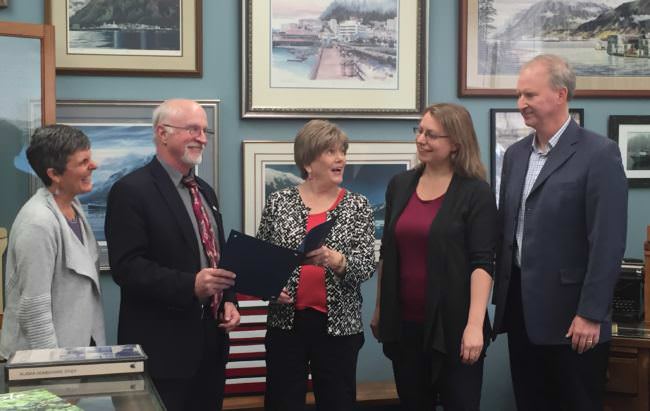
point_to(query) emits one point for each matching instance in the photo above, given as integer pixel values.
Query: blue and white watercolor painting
(369, 179)
(117, 149)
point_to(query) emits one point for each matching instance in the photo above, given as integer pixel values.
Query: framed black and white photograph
(633, 136)
(269, 166)
(606, 42)
(121, 138)
(327, 58)
(506, 128)
(139, 37)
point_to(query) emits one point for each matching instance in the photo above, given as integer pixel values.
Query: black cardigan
(461, 238)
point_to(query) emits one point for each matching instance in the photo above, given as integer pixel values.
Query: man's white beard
(187, 158)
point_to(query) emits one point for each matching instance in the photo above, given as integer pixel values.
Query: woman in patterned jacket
(315, 324)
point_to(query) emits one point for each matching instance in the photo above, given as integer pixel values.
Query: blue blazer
(574, 239)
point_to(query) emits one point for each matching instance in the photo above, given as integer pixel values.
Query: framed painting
(326, 58)
(27, 100)
(161, 38)
(607, 44)
(633, 136)
(121, 135)
(506, 128)
(4, 3)
(269, 166)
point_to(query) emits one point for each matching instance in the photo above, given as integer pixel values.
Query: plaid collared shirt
(536, 162)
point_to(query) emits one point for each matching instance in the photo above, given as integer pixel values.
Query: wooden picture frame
(27, 100)
(296, 62)
(167, 45)
(497, 36)
(507, 127)
(632, 133)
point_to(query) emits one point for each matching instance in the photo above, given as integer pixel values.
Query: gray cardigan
(52, 281)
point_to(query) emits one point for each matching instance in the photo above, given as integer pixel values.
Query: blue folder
(262, 268)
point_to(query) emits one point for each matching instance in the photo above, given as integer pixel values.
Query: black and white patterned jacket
(284, 222)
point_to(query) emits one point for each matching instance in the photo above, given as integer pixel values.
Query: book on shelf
(75, 362)
(85, 386)
(39, 399)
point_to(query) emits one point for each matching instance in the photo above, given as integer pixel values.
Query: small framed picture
(506, 128)
(633, 136)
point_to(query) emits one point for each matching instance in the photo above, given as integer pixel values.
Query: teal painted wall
(221, 79)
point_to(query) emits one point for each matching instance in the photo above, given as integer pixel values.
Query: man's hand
(584, 334)
(209, 281)
(229, 318)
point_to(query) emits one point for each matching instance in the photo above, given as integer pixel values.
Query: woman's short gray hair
(51, 146)
(313, 139)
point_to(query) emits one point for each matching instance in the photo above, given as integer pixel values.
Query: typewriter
(628, 294)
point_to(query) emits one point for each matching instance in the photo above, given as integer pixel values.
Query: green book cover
(41, 400)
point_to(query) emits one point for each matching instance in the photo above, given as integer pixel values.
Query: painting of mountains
(607, 42)
(598, 37)
(150, 27)
(369, 179)
(118, 150)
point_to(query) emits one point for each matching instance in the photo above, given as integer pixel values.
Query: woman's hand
(284, 297)
(374, 323)
(327, 258)
(471, 345)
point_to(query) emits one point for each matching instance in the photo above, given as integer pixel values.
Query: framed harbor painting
(607, 44)
(327, 58)
(633, 136)
(269, 166)
(121, 135)
(138, 37)
(506, 128)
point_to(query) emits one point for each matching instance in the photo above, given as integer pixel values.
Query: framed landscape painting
(328, 58)
(633, 136)
(121, 136)
(138, 37)
(269, 166)
(606, 42)
(506, 128)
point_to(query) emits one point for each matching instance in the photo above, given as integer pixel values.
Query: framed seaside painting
(606, 42)
(633, 136)
(121, 140)
(138, 37)
(506, 128)
(329, 58)
(269, 166)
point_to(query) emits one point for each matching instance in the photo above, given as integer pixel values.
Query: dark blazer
(462, 238)
(574, 239)
(154, 257)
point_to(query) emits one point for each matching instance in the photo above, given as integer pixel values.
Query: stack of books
(75, 362)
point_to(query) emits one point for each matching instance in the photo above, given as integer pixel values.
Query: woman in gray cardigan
(52, 279)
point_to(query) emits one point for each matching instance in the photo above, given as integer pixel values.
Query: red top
(311, 285)
(412, 234)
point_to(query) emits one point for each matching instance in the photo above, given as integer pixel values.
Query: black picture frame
(633, 130)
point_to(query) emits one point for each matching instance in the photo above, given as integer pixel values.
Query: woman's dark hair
(50, 147)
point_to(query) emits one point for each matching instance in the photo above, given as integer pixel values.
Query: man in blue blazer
(163, 267)
(563, 219)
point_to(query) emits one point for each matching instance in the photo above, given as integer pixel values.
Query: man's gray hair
(560, 73)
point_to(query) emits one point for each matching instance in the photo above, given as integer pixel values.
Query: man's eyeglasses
(427, 133)
(194, 131)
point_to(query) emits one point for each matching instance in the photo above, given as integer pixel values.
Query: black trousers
(458, 385)
(204, 390)
(551, 377)
(291, 355)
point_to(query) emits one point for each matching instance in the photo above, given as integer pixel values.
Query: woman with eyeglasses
(435, 267)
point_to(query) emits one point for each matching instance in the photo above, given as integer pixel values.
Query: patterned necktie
(207, 234)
